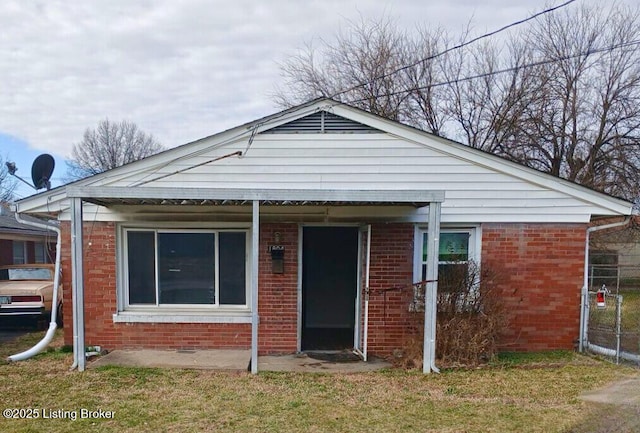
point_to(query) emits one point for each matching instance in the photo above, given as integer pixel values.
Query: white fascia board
(380, 196)
(486, 160)
(50, 202)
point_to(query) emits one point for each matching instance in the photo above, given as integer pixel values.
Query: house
(614, 258)
(281, 235)
(22, 243)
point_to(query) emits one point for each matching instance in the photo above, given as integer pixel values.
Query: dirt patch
(622, 392)
(614, 408)
(609, 418)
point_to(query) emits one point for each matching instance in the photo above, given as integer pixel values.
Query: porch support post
(431, 289)
(255, 319)
(77, 283)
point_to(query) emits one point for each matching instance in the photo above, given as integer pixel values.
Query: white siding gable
(478, 187)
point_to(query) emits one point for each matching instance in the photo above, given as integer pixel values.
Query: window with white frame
(457, 248)
(19, 252)
(185, 267)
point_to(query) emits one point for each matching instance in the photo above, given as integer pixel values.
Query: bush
(471, 317)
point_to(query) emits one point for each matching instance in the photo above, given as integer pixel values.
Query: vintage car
(27, 290)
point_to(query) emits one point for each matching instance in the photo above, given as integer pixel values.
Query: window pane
(186, 268)
(19, 253)
(453, 247)
(425, 248)
(232, 268)
(453, 277)
(142, 267)
(38, 248)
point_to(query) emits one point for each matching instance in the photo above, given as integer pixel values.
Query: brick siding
(542, 264)
(542, 270)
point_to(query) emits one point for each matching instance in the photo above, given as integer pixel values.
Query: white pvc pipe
(42, 344)
(612, 352)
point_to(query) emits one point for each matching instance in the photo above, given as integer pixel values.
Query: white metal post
(77, 252)
(618, 326)
(431, 289)
(255, 253)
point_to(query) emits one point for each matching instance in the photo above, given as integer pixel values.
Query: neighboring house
(265, 236)
(21, 243)
(615, 257)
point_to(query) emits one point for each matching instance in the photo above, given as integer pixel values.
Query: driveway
(614, 408)
(8, 335)
(11, 328)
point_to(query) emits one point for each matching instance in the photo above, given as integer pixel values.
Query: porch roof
(110, 196)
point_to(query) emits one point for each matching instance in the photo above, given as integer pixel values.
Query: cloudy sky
(182, 69)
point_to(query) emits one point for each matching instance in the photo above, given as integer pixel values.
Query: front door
(329, 287)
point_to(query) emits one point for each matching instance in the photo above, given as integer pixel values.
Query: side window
(19, 252)
(456, 250)
(453, 258)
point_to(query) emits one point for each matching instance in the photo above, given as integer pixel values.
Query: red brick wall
(278, 297)
(391, 266)
(65, 263)
(542, 264)
(541, 268)
(100, 305)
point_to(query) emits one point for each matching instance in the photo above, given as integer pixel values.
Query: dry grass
(505, 397)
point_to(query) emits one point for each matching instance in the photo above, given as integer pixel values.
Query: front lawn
(516, 393)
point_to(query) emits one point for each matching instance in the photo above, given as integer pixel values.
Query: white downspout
(584, 307)
(56, 283)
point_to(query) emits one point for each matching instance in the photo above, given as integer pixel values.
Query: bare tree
(108, 146)
(584, 123)
(561, 96)
(422, 107)
(7, 183)
(485, 111)
(367, 52)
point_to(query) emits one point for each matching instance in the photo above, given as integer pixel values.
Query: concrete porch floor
(230, 360)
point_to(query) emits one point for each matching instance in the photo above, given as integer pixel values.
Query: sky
(181, 70)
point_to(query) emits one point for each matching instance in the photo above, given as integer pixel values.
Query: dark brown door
(329, 284)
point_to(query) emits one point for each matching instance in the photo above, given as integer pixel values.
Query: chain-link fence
(614, 324)
(613, 319)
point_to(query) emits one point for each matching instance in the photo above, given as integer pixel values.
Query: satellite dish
(41, 171)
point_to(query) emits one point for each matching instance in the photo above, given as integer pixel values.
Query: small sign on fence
(601, 296)
(600, 299)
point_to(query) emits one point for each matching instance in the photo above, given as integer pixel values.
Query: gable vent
(322, 122)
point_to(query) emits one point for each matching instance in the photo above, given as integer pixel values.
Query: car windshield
(14, 274)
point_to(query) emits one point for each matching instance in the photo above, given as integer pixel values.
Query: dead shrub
(471, 317)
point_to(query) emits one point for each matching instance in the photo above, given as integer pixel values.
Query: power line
(448, 50)
(249, 129)
(502, 71)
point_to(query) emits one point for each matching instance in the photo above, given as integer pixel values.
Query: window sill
(182, 317)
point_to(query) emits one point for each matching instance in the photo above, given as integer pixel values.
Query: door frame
(361, 328)
(300, 259)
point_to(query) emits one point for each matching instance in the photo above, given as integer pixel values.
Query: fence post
(618, 326)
